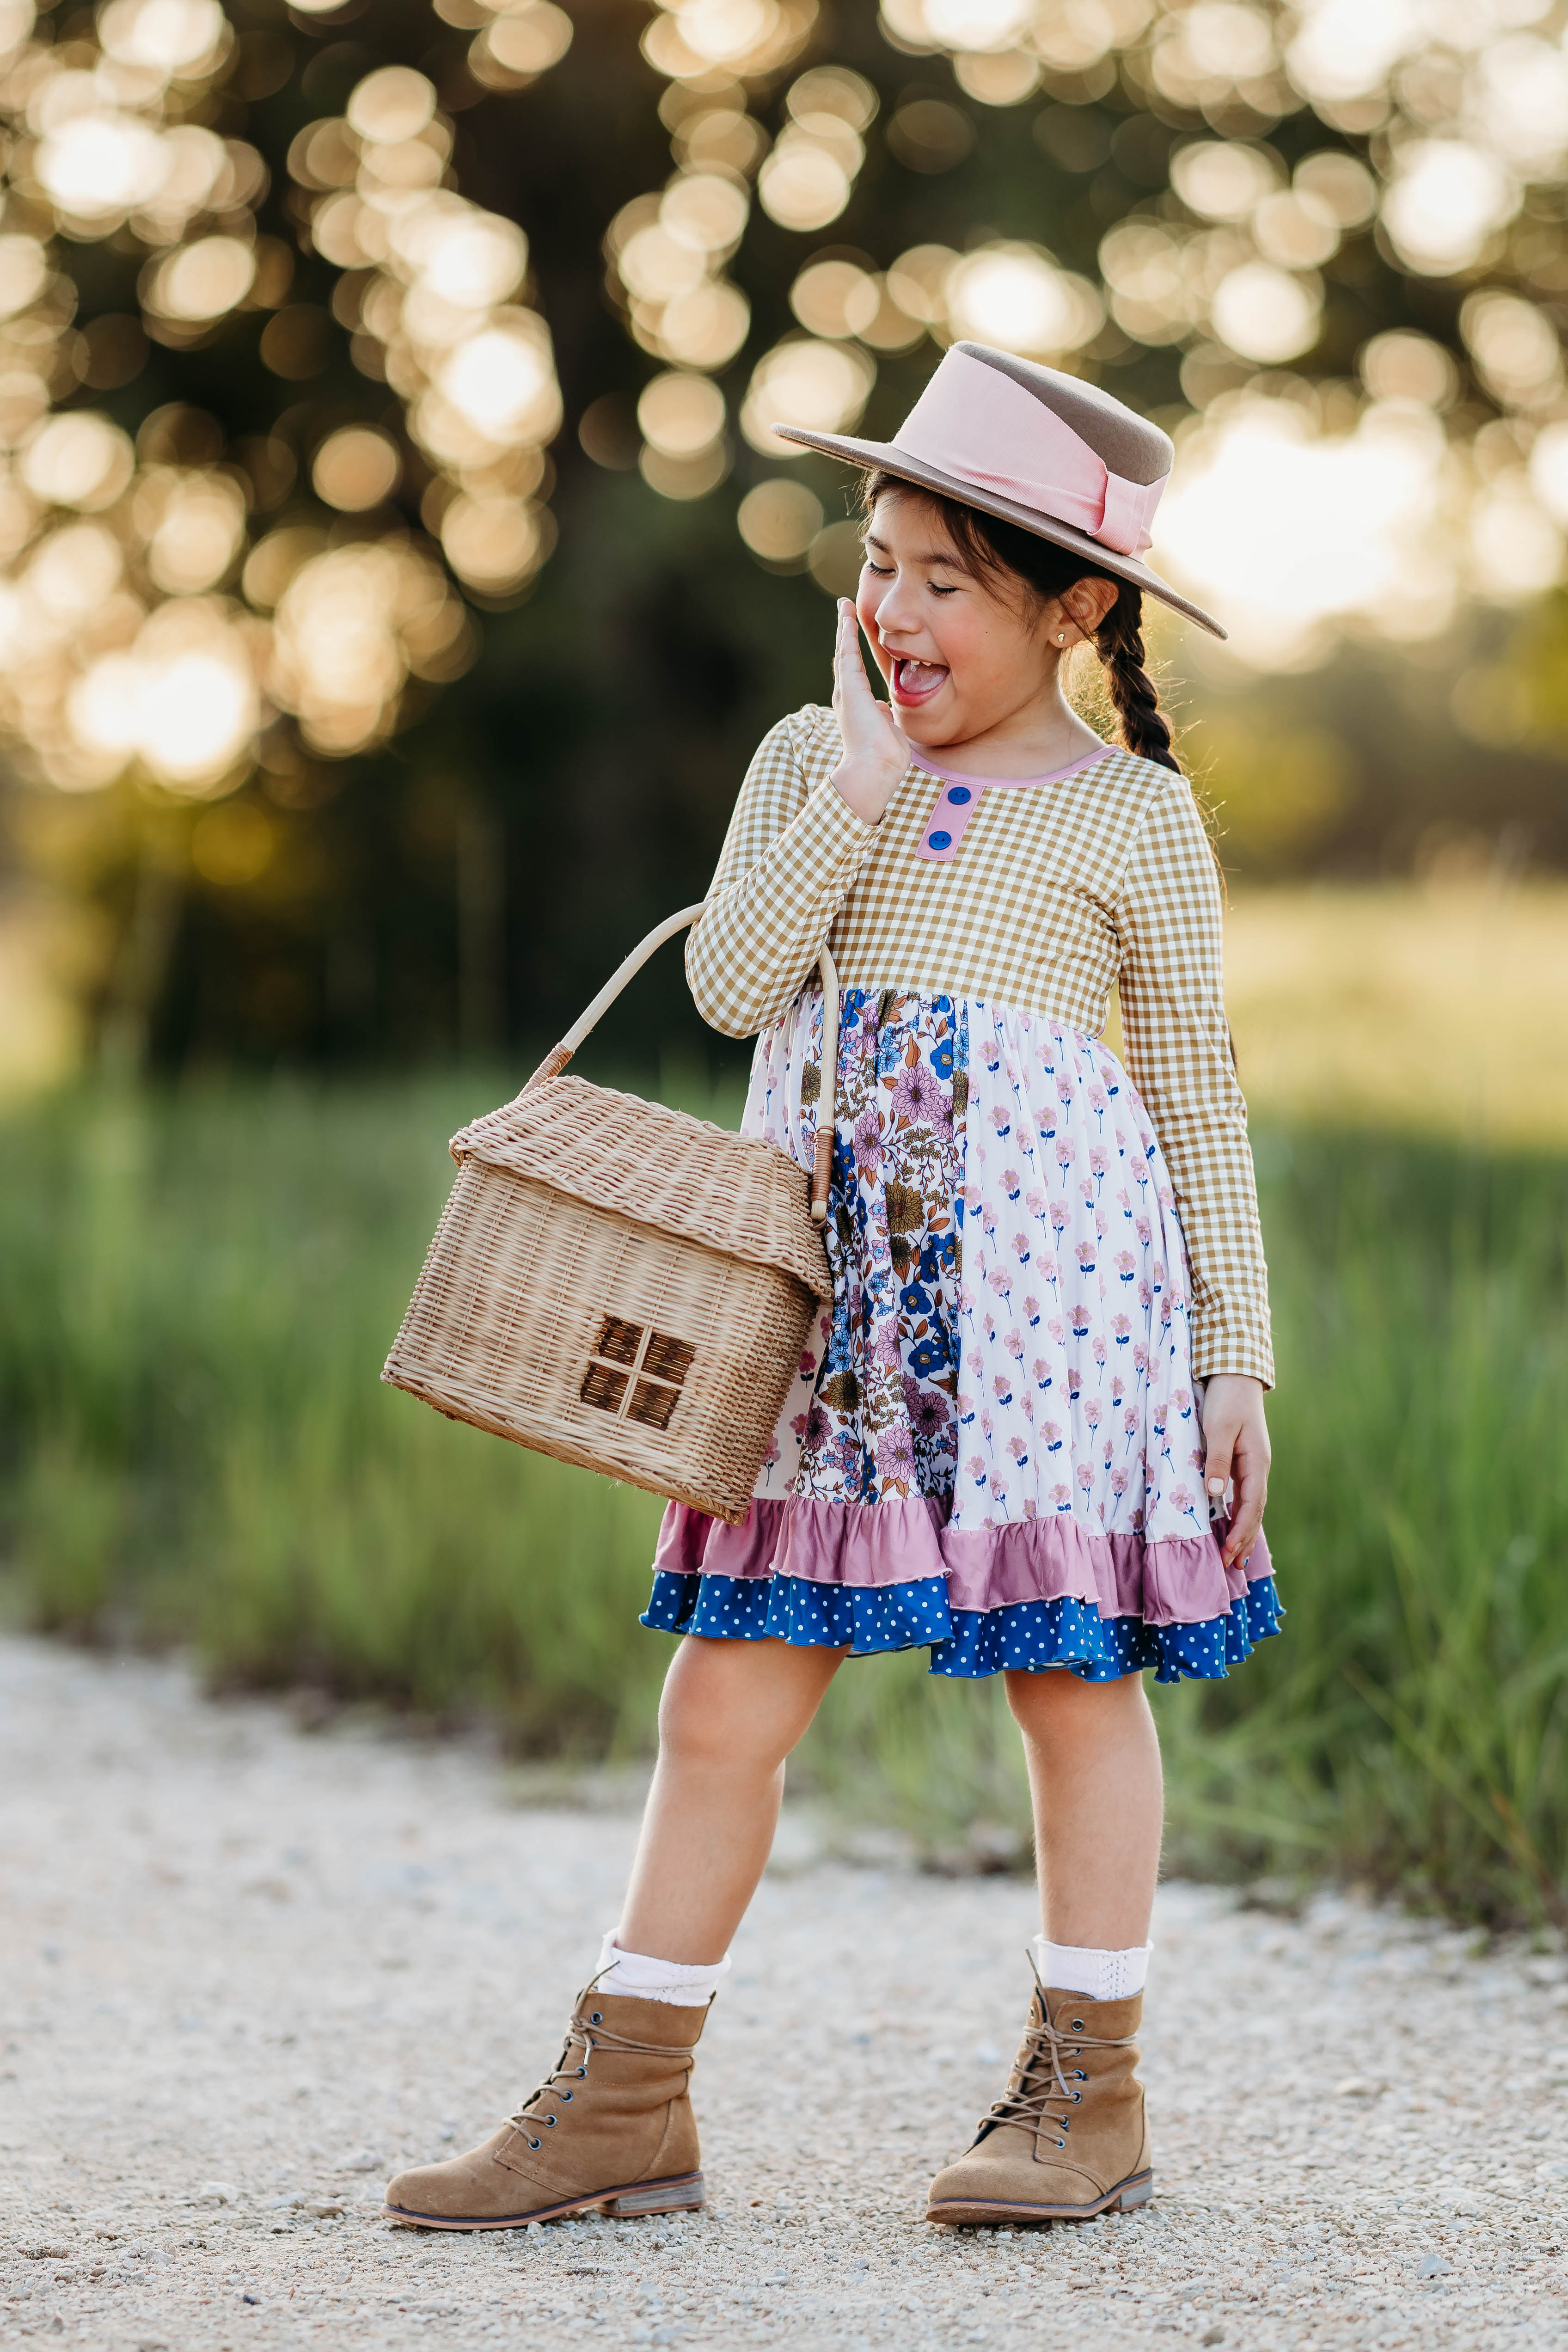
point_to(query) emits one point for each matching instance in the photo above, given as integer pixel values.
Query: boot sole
(624, 2203)
(1135, 2191)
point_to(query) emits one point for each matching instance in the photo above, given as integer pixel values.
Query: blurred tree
(381, 390)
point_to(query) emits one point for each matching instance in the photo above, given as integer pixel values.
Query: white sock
(649, 1980)
(1099, 1976)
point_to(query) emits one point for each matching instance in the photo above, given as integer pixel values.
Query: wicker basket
(619, 1285)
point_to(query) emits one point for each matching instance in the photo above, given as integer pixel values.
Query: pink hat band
(1036, 460)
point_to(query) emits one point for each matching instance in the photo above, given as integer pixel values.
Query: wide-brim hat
(1047, 451)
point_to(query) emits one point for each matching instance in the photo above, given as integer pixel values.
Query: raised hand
(876, 752)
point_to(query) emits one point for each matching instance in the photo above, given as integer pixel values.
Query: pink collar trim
(1010, 783)
(960, 797)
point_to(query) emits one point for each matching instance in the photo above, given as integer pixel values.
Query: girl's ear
(1087, 601)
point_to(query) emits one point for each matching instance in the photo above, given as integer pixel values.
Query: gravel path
(247, 1972)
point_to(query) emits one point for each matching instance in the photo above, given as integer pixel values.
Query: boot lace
(586, 2032)
(1041, 2082)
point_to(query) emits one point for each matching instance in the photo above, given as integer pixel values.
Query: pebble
(1361, 2137)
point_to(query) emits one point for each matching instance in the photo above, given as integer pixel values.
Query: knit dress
(992, 1447)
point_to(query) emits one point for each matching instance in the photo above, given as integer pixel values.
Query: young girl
(1032, 1436)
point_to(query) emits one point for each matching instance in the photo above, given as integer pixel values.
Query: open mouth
(915, 682)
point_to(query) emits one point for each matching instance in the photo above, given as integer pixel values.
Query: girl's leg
(1098, 1801)
(1069, 2138)
(731, 1713)
(611, 2127)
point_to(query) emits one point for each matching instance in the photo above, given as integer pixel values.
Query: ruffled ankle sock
(675, 1981)
(1099, 1976)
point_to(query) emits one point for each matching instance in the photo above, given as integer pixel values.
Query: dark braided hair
(997, 550)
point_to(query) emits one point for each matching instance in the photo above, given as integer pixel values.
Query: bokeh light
(1401, 364)
(681, 414)
(1265, 313)
(1013, 295)
(1283, 532)
(355, 468)
(1446, 199)
(820, 386)
(195, 524)
(1515, 347)
(203, 280)
(1438, 144)
(495, 543)
(390, 106)
(77, 460)
(778, 520)
(666, 250)
(172, 36)
(1223, 179)
(1549, 470)
(148, 618)
(182, 698)
(474, 366)
(836, 299)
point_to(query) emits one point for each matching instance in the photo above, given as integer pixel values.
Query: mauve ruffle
(864, 1546)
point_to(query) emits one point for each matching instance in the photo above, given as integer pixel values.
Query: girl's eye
(937, 589)
(882, 571)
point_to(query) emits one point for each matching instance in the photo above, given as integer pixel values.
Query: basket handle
(555, 1061)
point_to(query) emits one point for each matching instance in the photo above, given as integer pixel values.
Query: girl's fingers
(1242, 1538)
(848, 669)
(1246, 1514)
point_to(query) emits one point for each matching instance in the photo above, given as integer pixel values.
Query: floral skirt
(992, 1448)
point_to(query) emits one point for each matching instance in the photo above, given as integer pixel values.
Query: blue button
(960, 795)
(939, 841)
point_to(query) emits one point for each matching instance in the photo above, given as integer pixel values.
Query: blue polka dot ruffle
(966, 1644)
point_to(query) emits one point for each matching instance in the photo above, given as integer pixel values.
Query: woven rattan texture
(533, 1303)
(660, 1168)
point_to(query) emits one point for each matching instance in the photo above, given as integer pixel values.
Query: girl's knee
(691, 1728)
(1062, 1705)
(723, 1710)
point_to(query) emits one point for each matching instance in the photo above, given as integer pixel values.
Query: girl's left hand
(1236, 1452)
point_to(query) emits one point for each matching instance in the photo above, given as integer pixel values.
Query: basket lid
(658, 1166)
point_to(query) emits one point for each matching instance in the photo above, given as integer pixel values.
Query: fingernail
(1216, 1486)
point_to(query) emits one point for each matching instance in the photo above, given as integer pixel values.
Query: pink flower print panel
(1075, 1394)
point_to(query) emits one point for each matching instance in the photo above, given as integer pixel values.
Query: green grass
(197, 1292)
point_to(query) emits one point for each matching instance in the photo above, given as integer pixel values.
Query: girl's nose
(894, 610)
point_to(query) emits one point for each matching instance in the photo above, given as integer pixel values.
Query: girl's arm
(1179, 1054)
(792, 855)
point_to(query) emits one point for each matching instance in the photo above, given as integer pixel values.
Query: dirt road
(246, 1973)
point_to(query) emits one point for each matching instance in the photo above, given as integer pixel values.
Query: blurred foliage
(453, 856)
(1378, 765)
(193, 1450)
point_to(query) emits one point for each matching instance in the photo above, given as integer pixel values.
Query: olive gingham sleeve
(790, 859)
(1168, 913)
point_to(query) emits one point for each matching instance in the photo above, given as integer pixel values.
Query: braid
(1118, 641)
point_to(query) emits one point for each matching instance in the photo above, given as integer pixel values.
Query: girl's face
(960, 659)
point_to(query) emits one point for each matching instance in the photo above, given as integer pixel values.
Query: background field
(197, 1286)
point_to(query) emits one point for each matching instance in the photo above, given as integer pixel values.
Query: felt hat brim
(888, 457)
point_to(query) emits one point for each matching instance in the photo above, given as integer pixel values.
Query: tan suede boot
(1068, 2137)
(611, 2127)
